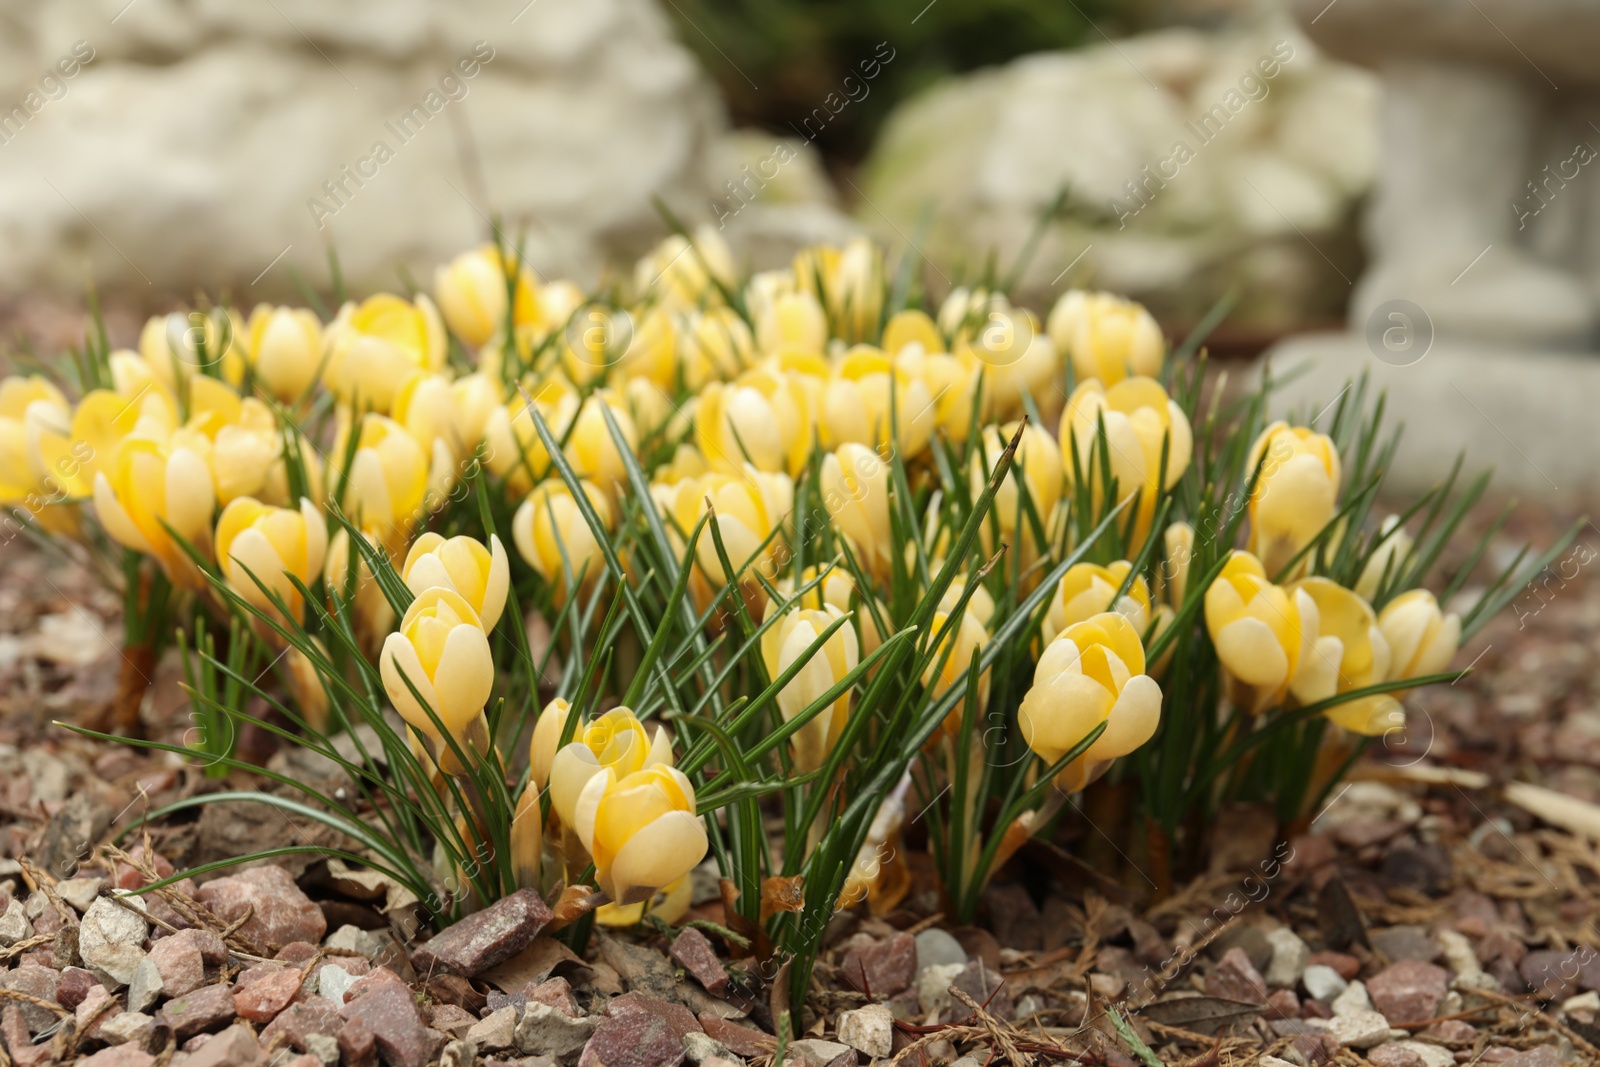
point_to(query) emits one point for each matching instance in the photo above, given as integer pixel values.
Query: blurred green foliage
(778, 61)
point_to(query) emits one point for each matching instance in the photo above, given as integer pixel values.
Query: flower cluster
(773, 540)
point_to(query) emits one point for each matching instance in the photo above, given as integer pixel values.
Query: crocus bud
(854, 288)
(857, 405)
(1092, 673)
(616, 741)
(1106, 337)
(482, 576)
(1037, 463)
(855, 491)
(388, 476)
(149, 487)
(794, 321)
(1422, 640)
(763, 417)
(749, 507)
(911, 326)
(688, 273)
(1261, 631)
(375, 345)
(592, 450)
(373, 616)
(1088, 589)
(1296, 493)
(641, 830)
(962, 642)
(1140, 423)
(284, 350)
(1349, 652)
(1391, 553)
(782, 644)
(471, 290)
(516, 451)
(1172, 578)
(443, 652)
(555, 539)
(546, 739)
(717, 347)
(30, 408)
(272, 544)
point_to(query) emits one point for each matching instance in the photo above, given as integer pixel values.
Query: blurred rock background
(224, 147)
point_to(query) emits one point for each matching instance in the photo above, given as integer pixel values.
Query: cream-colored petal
(465, 676)
(659, 854)
(1251, 652)
(1132, 721)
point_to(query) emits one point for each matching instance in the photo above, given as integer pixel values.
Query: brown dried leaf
(780, 894)
(575, 902)
(1203, 1015)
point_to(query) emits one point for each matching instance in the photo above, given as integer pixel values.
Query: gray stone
(700, 1047)
(1359, 1029)
(80, 892)
(869, 1030)
(145, 987)
(1289, 957)
(1322, 983)
(933, 986)
(496, 1031)
(546, 1031)
(128, 1027)
(936, 947)
(1354, 998)
(14, 924)
(111, 940)
(1513, 409)
(333, 982)
(611, 99)
(815, 1052)
(325, 1047)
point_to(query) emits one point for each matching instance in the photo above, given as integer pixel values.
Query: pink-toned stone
(75, 984)
(451, 1019)
(1347, 967)
(633, 1039)
(205, 1009)
(118, 1056)
(33, 980)
(261, 1001)
(180, 961)
(234, 1047)
(1408, 991)
(1236, 978)
(741, 1040)
(881, 968)
(485, 938)
(386, 1006)
(693, 949)
(24, 1053)
(92, 1011)
(679, 1019)
(279, 912)
(357, 1045)
(555, 992)
(1390, 1054)
(313, 1015)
